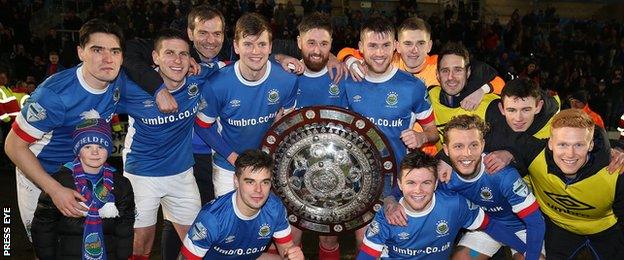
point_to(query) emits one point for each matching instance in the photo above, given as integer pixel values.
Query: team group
(495, 163)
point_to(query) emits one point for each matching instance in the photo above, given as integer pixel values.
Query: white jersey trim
(283, 233)
(478, 221)
(315, 74)
(424, 114)
(383, 78)
(240, 214)
(86, 86)
(252, 83)
(419, 214)
(28, 128)
(375, 246)
(195, 250)
(528, 201)
(204, 118)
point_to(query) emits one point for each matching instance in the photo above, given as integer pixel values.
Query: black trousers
(563, 244)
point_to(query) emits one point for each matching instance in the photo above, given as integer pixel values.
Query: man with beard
(435, 218)
(316, 88)
(242, 223)
(392, 99)
(504, 195)
(581, 200)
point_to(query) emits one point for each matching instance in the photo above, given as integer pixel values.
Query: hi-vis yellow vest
(444, 114)
(584, 207)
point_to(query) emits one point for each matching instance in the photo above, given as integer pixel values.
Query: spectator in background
(54, 66)
(578, 100)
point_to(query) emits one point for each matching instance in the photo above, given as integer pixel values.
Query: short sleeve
(43, 112)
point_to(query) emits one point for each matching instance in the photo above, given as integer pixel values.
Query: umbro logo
(568, 202)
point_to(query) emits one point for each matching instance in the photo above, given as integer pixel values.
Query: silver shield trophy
(329, 169)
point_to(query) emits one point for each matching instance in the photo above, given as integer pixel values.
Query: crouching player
(242, 223)
(434, 218)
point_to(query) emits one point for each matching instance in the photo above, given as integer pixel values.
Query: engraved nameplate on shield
(329, 169)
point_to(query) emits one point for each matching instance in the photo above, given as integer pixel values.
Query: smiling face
(377, 49)
(101, 58)
(570, 146)
(315, 46)
(254, 52)
(253, 187)
(207, 36)
(92, 157)
(173, 60)
(520, 112)
(464, 147)
(414, 46)
(453, 73)
(418, 186)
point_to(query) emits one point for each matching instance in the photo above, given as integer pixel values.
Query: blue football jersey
(50, 115)
(393, 103)
(159, 144)
(503, 196)
(317, 89)
(220, 231)
(245, 110)
(429, 234)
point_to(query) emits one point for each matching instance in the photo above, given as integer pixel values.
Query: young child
(106, 231)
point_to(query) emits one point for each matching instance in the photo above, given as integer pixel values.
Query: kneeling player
(241, 223)
(434, 218)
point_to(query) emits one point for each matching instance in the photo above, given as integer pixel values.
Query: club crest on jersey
(486, 193)
(35, 112)
(357, 98)
(93, 245)
(198, 232)
(373, 228)
(334, 90)
(520, 188)
(116, 95)
(235, 103)
(403, 235)
(273, 96)
(392, 99)
(265, 230)
(193, 90)
(442, 227)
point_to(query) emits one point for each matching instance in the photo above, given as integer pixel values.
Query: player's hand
(194, 68)
(413, 139)
(294, 253)
(497, 160)
(165, 101)
(395, 214)
(232, 158)
(617, 162)
(66, 201)
(472, 101)
(340, 67)
(444, 171)
(290, 64)
(357, 70)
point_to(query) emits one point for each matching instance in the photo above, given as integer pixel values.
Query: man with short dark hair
(242, 223)
(40, 139)
(435, 218)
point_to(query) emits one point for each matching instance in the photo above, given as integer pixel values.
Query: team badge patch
(202, 104)
(373, 229)
(273, 96)
(93, 245)
(392, 99)
(442, 227)
(193, 90)
(198, 232)
(520, 188)
(265, 230)
(472, 206)
(334, 90)
(486, 193)
(116, 95)
(35, 112)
